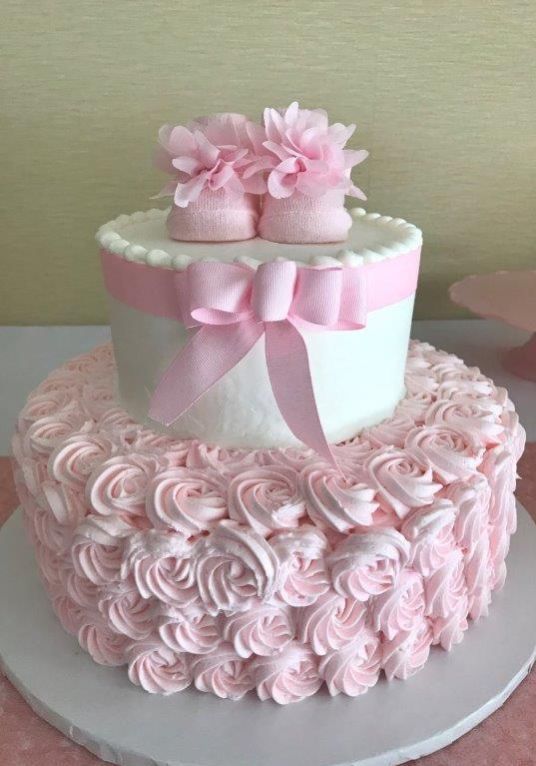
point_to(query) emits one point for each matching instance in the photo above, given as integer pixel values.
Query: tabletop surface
(27, 354)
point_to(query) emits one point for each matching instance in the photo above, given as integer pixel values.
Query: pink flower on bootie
(213, 199)
(307, 171)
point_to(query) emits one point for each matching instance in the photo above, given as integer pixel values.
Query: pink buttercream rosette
(235, 570)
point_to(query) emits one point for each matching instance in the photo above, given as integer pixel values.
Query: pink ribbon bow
(230, 306)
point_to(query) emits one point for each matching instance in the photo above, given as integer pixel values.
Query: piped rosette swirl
(235, 570)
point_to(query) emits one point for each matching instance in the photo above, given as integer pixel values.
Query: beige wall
(443, 94)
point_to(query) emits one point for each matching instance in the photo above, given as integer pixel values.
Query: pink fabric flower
(209, 153)
(304, 153)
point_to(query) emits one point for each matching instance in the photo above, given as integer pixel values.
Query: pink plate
(509, 296)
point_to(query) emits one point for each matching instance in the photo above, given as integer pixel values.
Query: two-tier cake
(257, 486)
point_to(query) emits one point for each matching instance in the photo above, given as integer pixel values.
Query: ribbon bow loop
(230, 306)
(218, 295)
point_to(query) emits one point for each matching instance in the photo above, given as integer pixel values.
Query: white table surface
(28, 354)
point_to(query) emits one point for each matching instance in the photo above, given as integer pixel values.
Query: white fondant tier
(267, 569)
(357, 376)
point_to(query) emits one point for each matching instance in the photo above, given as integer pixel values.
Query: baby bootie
(216, 216)
(303, 219)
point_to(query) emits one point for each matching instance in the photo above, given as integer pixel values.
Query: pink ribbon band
(230, 306)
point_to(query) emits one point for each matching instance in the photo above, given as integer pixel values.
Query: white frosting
(358, 379)
(143, 237)
(358, 376)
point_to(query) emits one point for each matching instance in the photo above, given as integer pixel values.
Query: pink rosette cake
(268, 570)
(257, 486)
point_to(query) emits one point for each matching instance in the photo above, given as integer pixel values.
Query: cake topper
(212, 198)
(308, 175)
(284, 180)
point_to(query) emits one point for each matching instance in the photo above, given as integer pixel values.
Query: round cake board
(394, 722)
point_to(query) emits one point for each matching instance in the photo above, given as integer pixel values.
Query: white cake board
(98, 708)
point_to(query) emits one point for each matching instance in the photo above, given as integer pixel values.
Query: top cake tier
(275, 319)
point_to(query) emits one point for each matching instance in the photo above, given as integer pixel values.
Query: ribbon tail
(290, 375)
(210, 353)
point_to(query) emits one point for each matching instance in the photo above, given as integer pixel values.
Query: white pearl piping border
(111, 237)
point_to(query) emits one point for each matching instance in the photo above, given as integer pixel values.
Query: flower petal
(188, 165)
(281, 185)
(190, 191)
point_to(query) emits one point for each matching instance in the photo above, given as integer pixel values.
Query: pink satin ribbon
(230, 306)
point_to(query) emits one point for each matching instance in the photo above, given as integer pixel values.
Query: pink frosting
(186, 500)
(69, 613)
(127, 612)
(451, 452)
(355, 668)
(365, 565)
(478, 418)
(74, 459)
(400, 608)
(265, 568)
(235, 565)
(499, 467)
(303, 575)
(104, 646)
(331, 622)
(265, 629)
(189, 630)
(445, 588)
(120, 484)
(222, 459)
(162, 566)
(392, 432)
(158, 669)
(222, 673)
(406, 652)
(335, 501)
(429, 531)
(290, 676)
(45, 434)
(266, 499)
(402, 482)
(97, 548)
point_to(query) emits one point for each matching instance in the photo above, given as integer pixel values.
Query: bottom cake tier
(237, 570)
